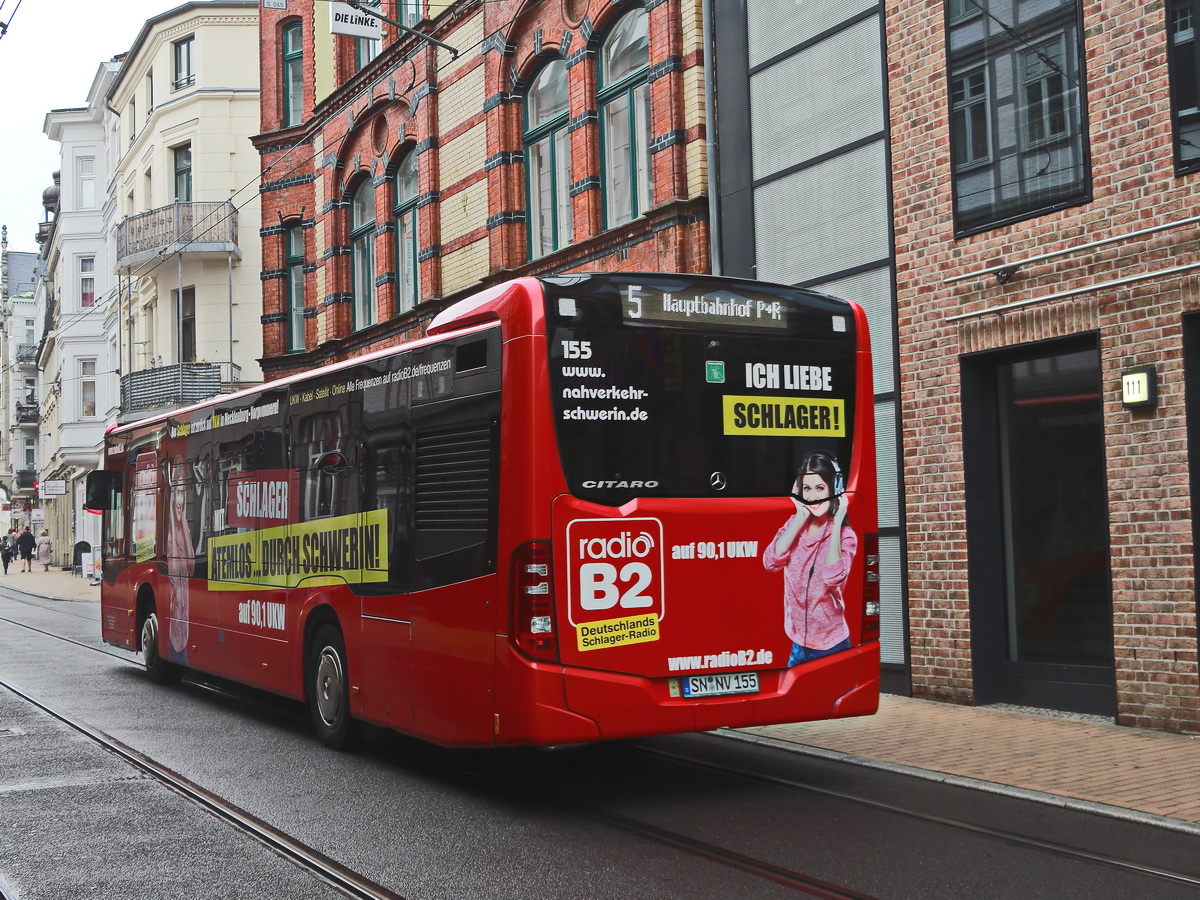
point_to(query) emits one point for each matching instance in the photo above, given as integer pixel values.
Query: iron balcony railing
(27, 353)
(178, 385)
(27, 414)
(192, 227)
(26, 479)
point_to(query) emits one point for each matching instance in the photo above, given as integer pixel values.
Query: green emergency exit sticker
(714, 372)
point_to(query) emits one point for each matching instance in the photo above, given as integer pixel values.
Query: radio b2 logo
(616, 571)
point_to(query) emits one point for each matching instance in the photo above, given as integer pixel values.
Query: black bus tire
(158, 670)
(329, 690)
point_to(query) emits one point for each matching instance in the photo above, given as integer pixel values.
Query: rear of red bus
(653, 448)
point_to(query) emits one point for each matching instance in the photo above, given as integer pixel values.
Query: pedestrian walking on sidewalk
(45, 549)
(25, 546)
(8, 548)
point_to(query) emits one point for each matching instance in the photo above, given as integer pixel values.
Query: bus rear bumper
(624, 706)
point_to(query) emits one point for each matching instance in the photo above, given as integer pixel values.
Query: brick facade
(1134, 186)
(464, 116)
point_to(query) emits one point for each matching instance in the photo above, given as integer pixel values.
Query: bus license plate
(714, 685)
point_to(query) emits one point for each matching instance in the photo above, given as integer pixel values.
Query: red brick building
(400, 175)
(1046, 173)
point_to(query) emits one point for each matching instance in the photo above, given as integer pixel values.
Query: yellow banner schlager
(785, 416)
(351, 549)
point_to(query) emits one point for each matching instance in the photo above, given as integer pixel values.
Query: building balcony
(168, 387)
(194, 227)
(27, 414)
(27, 354)
(25, 481)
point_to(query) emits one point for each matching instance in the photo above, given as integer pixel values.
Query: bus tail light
(532, 602)
(870, 621)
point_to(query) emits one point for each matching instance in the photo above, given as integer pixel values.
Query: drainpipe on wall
(710, 139)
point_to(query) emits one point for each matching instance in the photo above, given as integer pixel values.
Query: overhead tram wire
(4, 26)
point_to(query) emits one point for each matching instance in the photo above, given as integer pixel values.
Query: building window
(365, 50)
(183, 173)
(1017, 116)
(362, 253)
(187, 324)
(85, 181)
(30, 454)
(962, 9)
(87, 281)
(1046, 93)
(30, 331)
(87, 388)
(548, 160)
(183, 72)
(1185, 82)
(408, 278)
(971, 141)
(625, 118)
(410, 12)
(293, 74)
(294, 250)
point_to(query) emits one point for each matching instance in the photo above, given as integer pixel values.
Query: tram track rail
(308, 859)
(1024, 841)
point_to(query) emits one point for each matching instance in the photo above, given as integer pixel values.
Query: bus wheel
(159, 670)
(329, 690)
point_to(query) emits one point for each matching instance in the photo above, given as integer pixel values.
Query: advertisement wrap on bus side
(348, 549)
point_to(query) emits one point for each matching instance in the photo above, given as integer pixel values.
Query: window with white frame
(362, 253)
(87, 281)
(625, 118)
(294, 250)
(87, 388)
(85, 182)
(408, 194)
(548, 160)
(293, 74)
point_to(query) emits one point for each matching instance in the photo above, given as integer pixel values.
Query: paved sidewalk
(1076, 761)
(56, 583)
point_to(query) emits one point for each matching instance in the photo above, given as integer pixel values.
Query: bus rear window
(661, 388)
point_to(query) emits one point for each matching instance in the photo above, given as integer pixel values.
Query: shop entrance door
(1042, 620)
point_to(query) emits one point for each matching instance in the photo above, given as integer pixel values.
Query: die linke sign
(345, 19)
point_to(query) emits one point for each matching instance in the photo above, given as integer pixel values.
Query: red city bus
(573, 511)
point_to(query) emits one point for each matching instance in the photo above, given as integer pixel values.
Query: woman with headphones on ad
(814, 548)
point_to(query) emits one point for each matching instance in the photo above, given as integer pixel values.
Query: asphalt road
(694, 816)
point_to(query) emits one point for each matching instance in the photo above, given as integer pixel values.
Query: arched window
(293, 75)
(625, 118)
(362, 254)
(408, 282)
(548, 160)
(294, 262)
